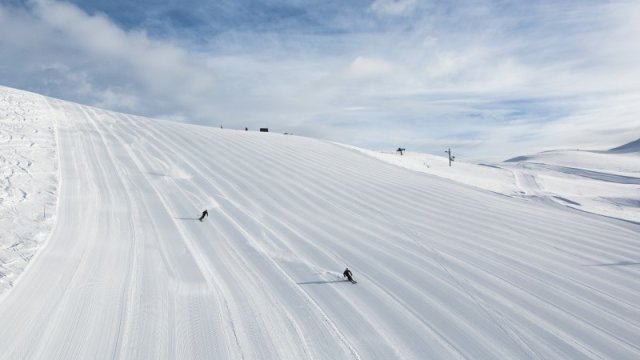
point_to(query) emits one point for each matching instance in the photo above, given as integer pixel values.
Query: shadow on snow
(321, 282)
(619, 263)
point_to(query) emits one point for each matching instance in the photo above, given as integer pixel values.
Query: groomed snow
(600, 182)
(444, 270)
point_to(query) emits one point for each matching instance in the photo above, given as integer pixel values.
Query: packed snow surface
(444, 270)
(600, 182)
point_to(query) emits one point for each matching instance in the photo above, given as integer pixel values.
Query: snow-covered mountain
(632, 147)
(445, 270)
(600, 182)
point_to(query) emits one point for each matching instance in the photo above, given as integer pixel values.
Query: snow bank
(28, 179)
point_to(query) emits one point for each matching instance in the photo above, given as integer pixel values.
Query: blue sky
(491, 79)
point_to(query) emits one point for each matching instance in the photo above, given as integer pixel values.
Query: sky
(490, 79)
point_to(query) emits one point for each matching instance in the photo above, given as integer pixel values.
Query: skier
(347, 274)
(204, 213)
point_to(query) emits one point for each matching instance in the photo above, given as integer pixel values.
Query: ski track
(249, 264)
(444, 271)
(590, 174)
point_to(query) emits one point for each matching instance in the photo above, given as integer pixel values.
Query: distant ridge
(518, 158)
(631, 147)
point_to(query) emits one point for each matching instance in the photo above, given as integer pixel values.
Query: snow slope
(28, 180)
(444, 270)
(632, 147)
(601, 182)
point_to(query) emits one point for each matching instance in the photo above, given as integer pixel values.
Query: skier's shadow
(321, 282)
(186, 218)
(619, 263)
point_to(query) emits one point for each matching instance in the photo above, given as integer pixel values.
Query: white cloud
(445, 64)
(97, 62)
(393, 7)
(363, 67)
(487, 77)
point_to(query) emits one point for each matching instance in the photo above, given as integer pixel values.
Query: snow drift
(444, 270)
